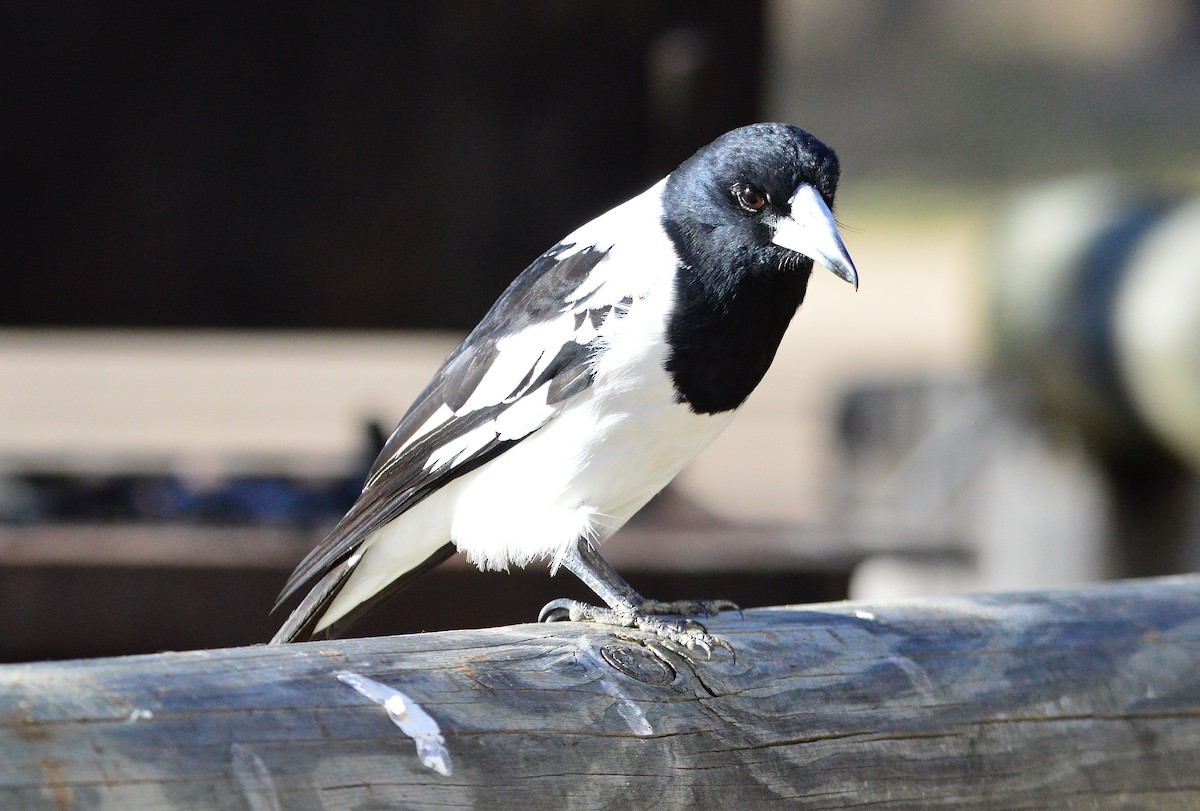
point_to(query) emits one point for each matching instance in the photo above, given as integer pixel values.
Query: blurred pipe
(1157, 331)
(1095, 297)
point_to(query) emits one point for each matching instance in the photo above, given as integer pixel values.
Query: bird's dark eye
(749, 196)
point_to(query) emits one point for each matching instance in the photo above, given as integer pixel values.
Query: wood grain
(1084, 698)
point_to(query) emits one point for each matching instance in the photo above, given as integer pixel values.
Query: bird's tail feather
(302, 623)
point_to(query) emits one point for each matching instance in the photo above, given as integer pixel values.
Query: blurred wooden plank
(203, 402)
(646, 546)
(172, 545)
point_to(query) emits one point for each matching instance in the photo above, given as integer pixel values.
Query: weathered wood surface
(1085, 698)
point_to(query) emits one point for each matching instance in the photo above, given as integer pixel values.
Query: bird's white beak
(810, 230)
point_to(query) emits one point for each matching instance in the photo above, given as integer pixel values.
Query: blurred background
(240, 238)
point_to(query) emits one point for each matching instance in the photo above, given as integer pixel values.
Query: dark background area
(363, 165)
(393, 165)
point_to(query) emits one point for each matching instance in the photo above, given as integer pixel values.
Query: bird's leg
(628, 609)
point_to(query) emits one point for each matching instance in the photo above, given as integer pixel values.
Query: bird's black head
(758, 200)
(747, 215)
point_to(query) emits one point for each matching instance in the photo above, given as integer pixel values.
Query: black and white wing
(531, 354)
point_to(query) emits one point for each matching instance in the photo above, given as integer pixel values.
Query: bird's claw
(688, 634)
(556, 610)
(685, 633)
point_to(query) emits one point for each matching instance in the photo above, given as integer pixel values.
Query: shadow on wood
(1074, 698)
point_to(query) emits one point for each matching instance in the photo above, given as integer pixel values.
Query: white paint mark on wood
(254, 778)
(626, 707)
(917, 675)
(408, 715)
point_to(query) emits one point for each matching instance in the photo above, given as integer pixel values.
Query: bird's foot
(686, 633)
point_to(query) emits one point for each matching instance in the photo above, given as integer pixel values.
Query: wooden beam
(1077, 698)
(648, 543)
